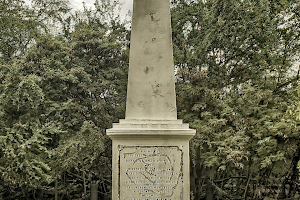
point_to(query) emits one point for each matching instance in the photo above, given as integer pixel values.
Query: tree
(235, 83)
(22, 24)
(57, 101)
(18, 29)
(23, 135)
(61, 89)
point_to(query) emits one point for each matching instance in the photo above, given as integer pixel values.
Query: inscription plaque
(150, 172)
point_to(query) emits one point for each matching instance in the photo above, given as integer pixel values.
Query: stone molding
(154, 129)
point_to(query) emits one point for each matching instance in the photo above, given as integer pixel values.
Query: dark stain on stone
(156, 90)
(140, 103)
(151, 14)
(146, 70)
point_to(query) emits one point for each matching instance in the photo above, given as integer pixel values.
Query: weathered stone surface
(151, 169)
(151, 89)
(150, 146)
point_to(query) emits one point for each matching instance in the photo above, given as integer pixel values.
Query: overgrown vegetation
(63, 77)
(238, 87)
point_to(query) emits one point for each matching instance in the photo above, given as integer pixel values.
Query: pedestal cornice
(151, 129)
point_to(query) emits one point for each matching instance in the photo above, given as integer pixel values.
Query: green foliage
(23, 136)
(22, 25)
(18, 29)
(235, 85)
(56, 102)
(63, 80)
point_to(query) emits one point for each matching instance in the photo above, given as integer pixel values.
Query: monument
(151, 146)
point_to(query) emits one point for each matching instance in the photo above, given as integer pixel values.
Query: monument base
(150, 160)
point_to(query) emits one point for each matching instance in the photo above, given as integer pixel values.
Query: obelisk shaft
(150, 146)
(151, 88)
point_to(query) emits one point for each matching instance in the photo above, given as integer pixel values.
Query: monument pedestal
(150, 160)
(150, 146)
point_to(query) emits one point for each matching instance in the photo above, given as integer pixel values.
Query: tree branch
(221, 192)
(286, 83)
(225, 179)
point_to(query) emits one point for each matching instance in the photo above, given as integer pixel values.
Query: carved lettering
(150, 173)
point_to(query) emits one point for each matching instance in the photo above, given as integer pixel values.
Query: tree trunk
(209, 195)
(294, 173)
(291, 177)
(193, 176)
(94, 190)
(84, 185)
(55, 189)
(198, 174)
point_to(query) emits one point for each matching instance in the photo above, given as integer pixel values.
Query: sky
(77, 4)
(126, 5)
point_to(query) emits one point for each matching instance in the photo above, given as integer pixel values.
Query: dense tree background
(237, 85)
(63, 76)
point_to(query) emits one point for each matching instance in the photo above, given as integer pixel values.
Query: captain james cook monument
(151, 146)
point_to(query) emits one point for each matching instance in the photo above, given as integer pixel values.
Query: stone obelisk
(150, 146)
